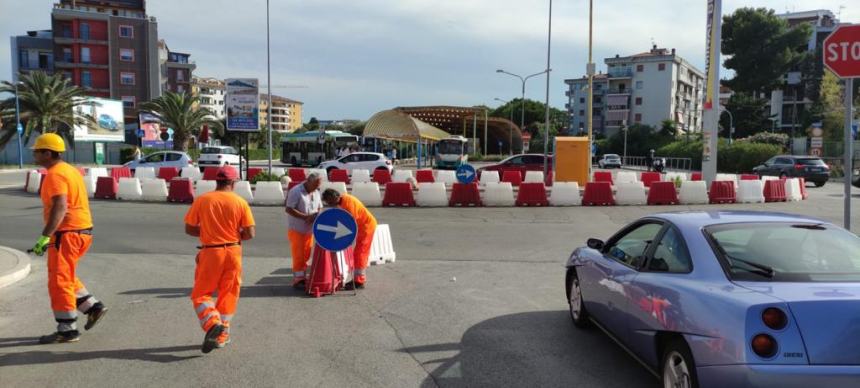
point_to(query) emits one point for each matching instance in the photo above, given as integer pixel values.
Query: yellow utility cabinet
(572, 159)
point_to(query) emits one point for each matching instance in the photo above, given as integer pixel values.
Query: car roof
(700, 219)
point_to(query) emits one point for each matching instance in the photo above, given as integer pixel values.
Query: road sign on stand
(335, 229)
(466, 174)
(20, 129)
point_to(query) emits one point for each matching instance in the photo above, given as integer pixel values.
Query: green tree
(640, 140)
(312, 125)
(761, 48)
(176, 112)
(535, 112)
(47, 104)
(750, 115)
(831, 107)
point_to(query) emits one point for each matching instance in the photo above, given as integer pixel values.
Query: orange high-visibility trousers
(363, 241)
(218, 269)
(66, 290)
(300, 247)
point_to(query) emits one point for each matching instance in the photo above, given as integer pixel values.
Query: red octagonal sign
(842, 51)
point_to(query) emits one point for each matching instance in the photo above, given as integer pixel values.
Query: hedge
(740, 157)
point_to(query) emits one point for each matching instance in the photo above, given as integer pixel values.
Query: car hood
(827, 314)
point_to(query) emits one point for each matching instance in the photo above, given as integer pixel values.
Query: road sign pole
(849, 148)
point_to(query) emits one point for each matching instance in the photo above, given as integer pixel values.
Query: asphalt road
(475, 298)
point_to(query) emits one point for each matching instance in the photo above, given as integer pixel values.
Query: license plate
(815, 169)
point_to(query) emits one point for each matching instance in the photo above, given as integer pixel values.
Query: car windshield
(811, 162)
(788, 252)
(450, 147)
(611, 156)
(216, 150)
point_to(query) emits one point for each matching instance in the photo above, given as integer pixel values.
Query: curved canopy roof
(395, 125)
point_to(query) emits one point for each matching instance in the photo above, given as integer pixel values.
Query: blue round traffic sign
(335, 229)
(140, 133)
(466, 174)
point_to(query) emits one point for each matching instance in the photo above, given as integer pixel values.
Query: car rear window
(811, 162)
(216, 150)
(795, 252)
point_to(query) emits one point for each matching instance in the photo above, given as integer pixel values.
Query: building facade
(32, 52)
(176, 70)
(286, 113)
(646, 88)
(210, 92)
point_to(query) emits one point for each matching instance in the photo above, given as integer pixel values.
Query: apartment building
(211, 92)
(286, 113)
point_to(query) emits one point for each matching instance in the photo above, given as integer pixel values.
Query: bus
(310, 149)
(452, 152)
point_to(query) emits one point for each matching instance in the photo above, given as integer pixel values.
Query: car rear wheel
(783, 175)
(679, 368)
(576, 305)
(820, 183)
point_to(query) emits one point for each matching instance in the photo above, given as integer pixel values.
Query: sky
(351, 59)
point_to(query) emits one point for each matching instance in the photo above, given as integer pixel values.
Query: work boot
(60, 337)
(223, 339)
(353, 285)
(95, 315)
(210, 340)
(299, 283)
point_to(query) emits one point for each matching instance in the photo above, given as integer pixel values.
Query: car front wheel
(575, 302)
(679, 368)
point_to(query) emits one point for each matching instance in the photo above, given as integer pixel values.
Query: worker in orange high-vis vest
(366, 224)
(302, 206)
(67, 236)
(222, 220)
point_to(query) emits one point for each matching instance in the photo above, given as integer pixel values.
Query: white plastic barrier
(626, 177)
(432, 195)
(565, 194)
(498, 194)
(269, 193)
(90, 184)
(751, 191)
(154, 190)
(534, 177)
(693, 192)
(769, 178)
(360, 176)
(191, 172)
(203, 187)
(382, 248)
(792, 189)
(319, 171)
(488, 177)
(278, 171)
(630, 193)
(368, 193)
(144, 173)
(447, 177)
(129, 189)
(339, 186)
(98, 171)
(401, 175)
(728, 177)
(243, 189)
(34, 181)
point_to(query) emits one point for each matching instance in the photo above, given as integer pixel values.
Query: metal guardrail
(680, 164)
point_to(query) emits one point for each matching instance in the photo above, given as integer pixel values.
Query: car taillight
(764, 345)
(387, 162)
(774, 318)
(798, 167)
(190, 162)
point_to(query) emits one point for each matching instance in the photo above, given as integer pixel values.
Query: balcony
(70, 65)
(625, 73)
(618, 91)
(70, 40)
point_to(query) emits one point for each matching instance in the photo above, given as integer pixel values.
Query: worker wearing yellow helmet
(66, 237)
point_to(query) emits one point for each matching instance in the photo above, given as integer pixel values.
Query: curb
(21, 269)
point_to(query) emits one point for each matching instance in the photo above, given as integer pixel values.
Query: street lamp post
(624, 128)
(731, 124)
(546, 117)
(269, 82)
(511, 137)
(18, 128)
(523, 93)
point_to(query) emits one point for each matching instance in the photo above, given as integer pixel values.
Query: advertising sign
(243, 102)
(150, 125)
(711, 61)
(107, 120)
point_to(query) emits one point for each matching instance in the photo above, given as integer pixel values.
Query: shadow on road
(538, 349)
(269, 286)
(160, 355)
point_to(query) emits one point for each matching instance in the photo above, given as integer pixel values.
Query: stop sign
(842, 51)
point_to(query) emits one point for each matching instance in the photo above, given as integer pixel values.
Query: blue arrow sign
(466, 174)
(140, 133)
(20, 129)
(335, 230)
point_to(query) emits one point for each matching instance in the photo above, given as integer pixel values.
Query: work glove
(41, 245)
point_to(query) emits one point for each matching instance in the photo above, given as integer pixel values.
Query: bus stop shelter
(397, 126)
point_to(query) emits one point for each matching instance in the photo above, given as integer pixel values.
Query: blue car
(726, 299)
(107, 122)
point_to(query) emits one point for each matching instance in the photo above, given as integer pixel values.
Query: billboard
(151, 126)
(107, 120)
(243, 102)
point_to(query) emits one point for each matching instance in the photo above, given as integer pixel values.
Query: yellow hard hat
(50, 141)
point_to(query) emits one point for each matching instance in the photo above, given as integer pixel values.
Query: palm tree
(177, 112)
(47, 105)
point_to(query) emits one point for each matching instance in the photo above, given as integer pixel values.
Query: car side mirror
(596, 244)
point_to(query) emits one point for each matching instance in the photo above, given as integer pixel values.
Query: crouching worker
(221, 219)
(366, 224)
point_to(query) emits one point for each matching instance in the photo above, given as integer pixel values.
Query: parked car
(522, 163)
(811, 168)
(217, 156)
(726, 298)
(160, 159)
(359, 160)
(107, 122)
(609, 161)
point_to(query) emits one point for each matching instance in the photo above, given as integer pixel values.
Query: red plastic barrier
(774, 191)
(297, 174)
(598, 194)
(722, 192)
(252, 172)
(120, 172)
(181, 190)
(663, 193)
(338, 175)
(749, 177)
(325, 273)
(106, 188)
(464, 194)
(803, 192)
(209, 173)
(513, 177)
(532, 194)
(168, 173)
(603, 176)
(649, 177)
(398, 194)
(696, 176)
(382, 176)
(549, 178)
(424, 176)
(293, 184)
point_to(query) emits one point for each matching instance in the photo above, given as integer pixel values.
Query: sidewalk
(14, 266)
